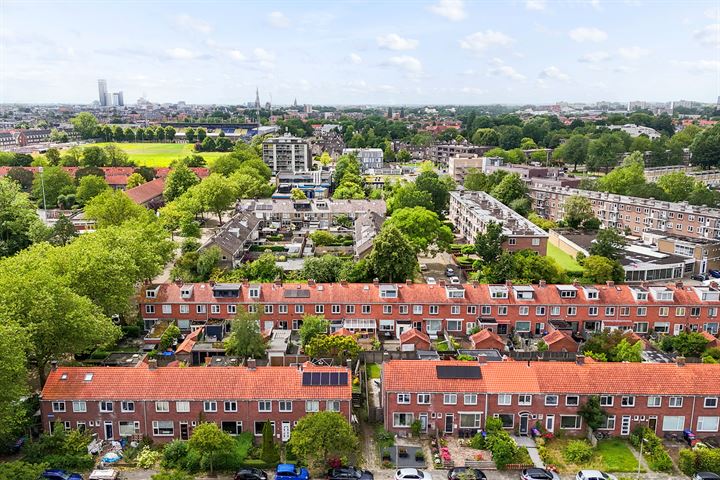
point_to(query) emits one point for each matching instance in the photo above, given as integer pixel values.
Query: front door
(108, 430)
(550, 423)
(285, 431)
(524, 423)
(269, 324)
(423, 417)
(449, 418)
(625, 425)
(501, 329)
(184, 432)
(469, 326)
(677, 328)
(652, 424)
(401, 328)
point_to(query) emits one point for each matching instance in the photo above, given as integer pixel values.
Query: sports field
(160, 154)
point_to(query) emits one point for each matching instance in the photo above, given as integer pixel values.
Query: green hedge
(257, 463)
(657, 457)
(699, 460)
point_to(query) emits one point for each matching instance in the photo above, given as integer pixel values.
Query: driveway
(436, 267)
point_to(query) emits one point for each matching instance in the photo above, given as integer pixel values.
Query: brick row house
(529, 310)
(456, 398)
(166, 403)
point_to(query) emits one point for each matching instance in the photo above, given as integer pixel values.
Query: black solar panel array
(324, 378)
(456, 371)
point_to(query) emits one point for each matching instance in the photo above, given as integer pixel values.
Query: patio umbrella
(111, 457)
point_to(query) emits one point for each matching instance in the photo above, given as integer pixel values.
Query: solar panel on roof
(324, 378)
(296, 294)
(456, 371)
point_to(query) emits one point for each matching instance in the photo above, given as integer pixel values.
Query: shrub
(70, 462)
(659, 460)
(171, 475)
(578, 452)
(174, 454)
(419, 455)
(99, 355)
(655, 454)
(147, 458)
(477, 442)
(699, 460)
(256, 463)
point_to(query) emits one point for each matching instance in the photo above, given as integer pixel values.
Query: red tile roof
(485, 336)
(709, 336)
(558, 377)
(344, 332)
(147, 191)
(187, 345)
(556, 336)
(412, 334)
(198, 383)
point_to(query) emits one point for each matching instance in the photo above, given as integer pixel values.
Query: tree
(190, 135)
(430, 182)
(321, 436)
(207, 145)
(264, 269)
(226, 165)
(577, 210)
(349, 191)
(312, 326)
(208, 441)
(486, 136)
(178, 181)
(13, 378)
(488, 244)
(423, 228)
(409, 196)
(627, 352)
(393, 257)
(687, 344)
(625, 179)
(201, 134)
(63, 232)
(116, 157)
(171, 333)
(592, 412)
(510, 188)
(608, 243)
(216, 193)
(85, 124)
(604, 151)
(339, 347)
(148, 173)
(135, 180)
(19, 470)
(324, 159)
(705, 147)
(113, 207)
(256, 167)
(23, 177)
(90, 186)
(50, 184)
(170, 133)
(574, 150)
(325, 269)
(678, 186)
(599, 269)
(245, 339)
(321, 238)
(510, 136)
(18, 218)
(269, 451)
(297, 194)
(250, 186)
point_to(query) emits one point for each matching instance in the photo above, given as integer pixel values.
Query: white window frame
(552, 400)
(423, 398)
(162, 406)
(264, 406)
(182, 406)
(504, 399)
(312, 406)
(79, 406)
(209, 406)
(449, 398)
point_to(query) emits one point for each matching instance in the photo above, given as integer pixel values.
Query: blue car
(714, 273)
(288, 471)
(56, 474)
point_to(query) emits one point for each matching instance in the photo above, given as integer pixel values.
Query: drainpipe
(144, 403)
(486, 411)
(692, 414)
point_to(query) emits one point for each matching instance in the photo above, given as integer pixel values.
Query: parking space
(434, 268)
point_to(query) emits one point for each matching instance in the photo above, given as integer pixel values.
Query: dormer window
(186, 292)
(567, 291)
(388, 291)
(523, 292)
(498, 292)
(591, 293)
(151, 292)
(661, 294)
(254, 291)
(455, 292)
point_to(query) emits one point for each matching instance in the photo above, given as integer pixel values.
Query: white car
(431, 280)
(455, 280)
(412, 474)
(594, 475)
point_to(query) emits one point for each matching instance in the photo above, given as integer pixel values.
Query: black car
(349, 473)
(700, 277)
(250, 474)
(454, 473)
(706, 476)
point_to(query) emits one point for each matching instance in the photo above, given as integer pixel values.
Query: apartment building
(369, 158)
(471, 212)
(704, 252)
(457, 398)
(636, 214)
(708, 177)
(314, 213)
(442, 152)
(527, 310)
(287, 154)
(165, 403)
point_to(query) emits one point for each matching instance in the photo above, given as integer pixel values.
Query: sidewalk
(529, 443)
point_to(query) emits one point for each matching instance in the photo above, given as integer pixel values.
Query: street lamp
(642, 442)
(42, 183)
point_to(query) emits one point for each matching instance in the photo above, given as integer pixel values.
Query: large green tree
(625, 179)
(50, 184)
(603, 152)
(13, 378)
(312, 326)
(18, 219)
(321, 436)
(217, 194)
(90, 187)
(423, 228)
(608, 243)
(678, 186)
(706, 148)
(85, 124)
(488, 244)
(208, 440)
(577, 210)
(409, 196)
(510, 189)
(178, 181)
(574, 150)
(245, 339)
(393, 256)
(114, 207)
(431, 183)
(325, 269)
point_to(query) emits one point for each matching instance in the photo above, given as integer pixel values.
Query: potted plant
(419, 455)
(402, 452)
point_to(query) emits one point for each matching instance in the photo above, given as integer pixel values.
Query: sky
(361, 52)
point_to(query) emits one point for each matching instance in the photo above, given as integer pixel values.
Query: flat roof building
(286, 154)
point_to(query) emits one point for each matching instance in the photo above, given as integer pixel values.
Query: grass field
(611, 455)
(373, 370)
(565, 261)
(160, 154)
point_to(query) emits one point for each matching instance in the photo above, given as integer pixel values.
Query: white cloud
(479, 41)
(186, 21)
(535, 4)
(451, 9)
(700, 66)
(410, 64)
(278, 20)
(236, 55)
(587, 34)
(393, 41)
(554, 73)
(264, 55)
(709, 35)
(355, 58)
(501, 70)
(713, 13)
(179, 53)
(633, 53)
(594, 57)
(473, 90)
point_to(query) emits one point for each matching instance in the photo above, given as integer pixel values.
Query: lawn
(611, 455)
(373, 370)
(565, 261)
(160, 154)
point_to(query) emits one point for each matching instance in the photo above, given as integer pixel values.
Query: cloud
(355, 58)
(535, 4)
(594, 57)
(713, 13)
(633, 53)
(700, 66)
(278, 20)
(179, 53)
(501, 70)
(451, 9)
(479, 41)
(411, 65)
(554, 73)
(393, 41)
(186, 21)
(265, 58)
(236, 55)
(473, 90)
(709, 35)
(587, 34)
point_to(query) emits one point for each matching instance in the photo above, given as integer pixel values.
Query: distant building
(367, 226)
(369, 158)
(234, 238)
(117, 99)
(287, 154)
(312, 214)
(103, 93)
(636, 130)
(705, 251)
(442, 152)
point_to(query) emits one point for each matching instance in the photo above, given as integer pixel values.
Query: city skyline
(444, 52)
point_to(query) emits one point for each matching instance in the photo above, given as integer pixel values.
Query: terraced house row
(394, 308)
(166, 403)
(456, 398)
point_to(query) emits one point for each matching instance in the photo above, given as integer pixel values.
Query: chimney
(644, 284)
(610, 283)
(278, 282)
(53, 365)
(311, 282)
(475, 283)
(152, 364)
(679, 284)
(580, 359)
(508, 283)
(211, 283)
(344, 283)
(251, 364)
(482, 359)
(376, 281)
(179, 282)
(349, 364)
(680, 361)
(408, 281)
(245, 282)
(576, 282)
(713, 285)
(542, 283)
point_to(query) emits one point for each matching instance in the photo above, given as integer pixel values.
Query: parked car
(714, 273)
(454, 473)
(289, 471)
(412, 474)
(538, 474)
(431, 280)
(449, 272)
(250, 474)
(706, 476)
(455, 280)
(594, 475)
(349, 473)
(700, 277)
(423, 267)
(57, 474)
